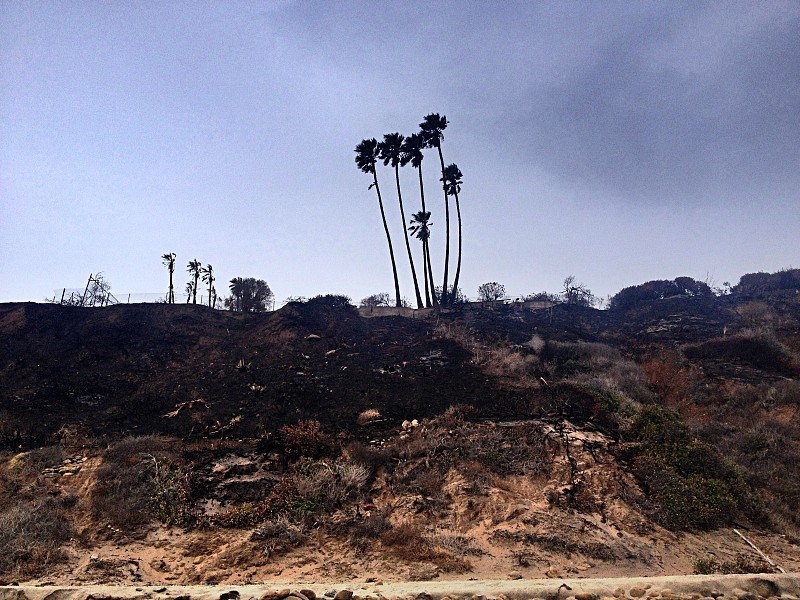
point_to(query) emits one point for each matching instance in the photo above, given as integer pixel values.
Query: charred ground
(547, 441)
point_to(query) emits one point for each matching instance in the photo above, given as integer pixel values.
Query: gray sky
(616, 141)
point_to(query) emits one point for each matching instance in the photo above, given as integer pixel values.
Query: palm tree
(389, 150)
(366, 157)
(411, 152)
(169, 261)
(237, 293)
(452, 181)
(194, 268)
(208, 277)
(189, 290)
(431, 130)
(420, 228)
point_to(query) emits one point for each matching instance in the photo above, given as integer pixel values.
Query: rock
(423, 596)
(585, 596)
(406, 425)
(343, 595)
(765, 588)
(619, 592)
(295, 595)
(515, 575)
(553, 573)
(667, 593)
(636, 592)
(313, 336)
(310, 594)
(330, 593)
(231, 595)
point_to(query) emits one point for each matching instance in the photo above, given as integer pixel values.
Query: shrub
(306, 438)
(759, 349)
(171, 492)
(652, 291)
(690, 484)
(238, 517)
(31, 535)
(280, 534)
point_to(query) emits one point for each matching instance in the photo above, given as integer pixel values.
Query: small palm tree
(366, 157)
(432, 131)
(208, 277)
(389, 150)
(169, 261)
(194, 268)
(452, 181)
(420, 229)
(411, 152)
(189, 290)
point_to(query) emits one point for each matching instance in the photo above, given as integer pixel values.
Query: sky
(619, 142)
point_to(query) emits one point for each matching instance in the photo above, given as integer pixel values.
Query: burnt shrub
(761, 350)
(581, 403)
(306, 438)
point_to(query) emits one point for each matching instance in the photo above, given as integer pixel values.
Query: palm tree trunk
(171, 298)
(398, 301)
(430, 273)
(444, 300)
(194, 294)
(458, 263)
(405, 231)
(425, 253)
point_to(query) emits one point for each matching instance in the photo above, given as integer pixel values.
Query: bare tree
(577, 293)
(374, 300)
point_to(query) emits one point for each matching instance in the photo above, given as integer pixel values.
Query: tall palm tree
(389, 150)
(411, 152)
(169, 261)
(208, 277)
(432, 131)
(420, 228)
(366, 157)
(193, 268)
(452, 180)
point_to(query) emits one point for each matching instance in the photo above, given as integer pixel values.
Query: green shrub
(690, 484)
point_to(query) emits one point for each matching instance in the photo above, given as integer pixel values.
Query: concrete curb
(722, 587)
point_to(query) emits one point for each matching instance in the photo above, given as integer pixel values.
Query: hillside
(173, 443)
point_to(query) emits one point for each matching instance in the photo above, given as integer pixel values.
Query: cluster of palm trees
(398, 151)
(196, 271)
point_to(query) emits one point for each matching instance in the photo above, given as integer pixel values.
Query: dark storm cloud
(654, 112)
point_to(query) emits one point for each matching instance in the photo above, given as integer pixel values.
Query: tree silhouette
(411, 152)
(491, 291)
(452, 181)
(194, 268)
(366, 157)
(189, 290)
(420, 229)
(389, 150)
(432, 131)
(208, 277)
(248, 295)
(169, 261)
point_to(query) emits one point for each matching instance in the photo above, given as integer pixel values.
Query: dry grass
(31, 535)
